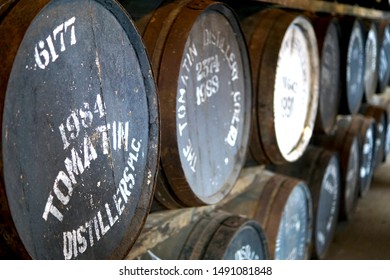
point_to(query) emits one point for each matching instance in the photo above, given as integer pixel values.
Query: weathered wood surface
(80, 129)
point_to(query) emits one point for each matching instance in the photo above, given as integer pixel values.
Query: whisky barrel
(320, 169)
(352, 64)
(328, 37)
(201, 65)
(284, 102)
(283, 206)
(365, 128)
(347, 145)
(381, 122)
(80, 129)
(218, 235)
(372, 55)
(384, 57)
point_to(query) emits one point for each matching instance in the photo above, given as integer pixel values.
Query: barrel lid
(353, 64)
(80, 132)
(248, 242)
(326, 215)
(286, 214)
(205, 99)
(320, 169)
(380, 117)
(350, 180)
(384, 60)
(372, 54)
(387, 144)
(223, 235)
(296, 92)
(294, 232)
(367, 154)
(355, 67)
(329, 90)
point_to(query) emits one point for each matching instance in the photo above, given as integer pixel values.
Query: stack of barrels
(164, 105)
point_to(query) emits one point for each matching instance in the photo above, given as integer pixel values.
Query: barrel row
(167, 110)
(279, 206)
(300, 204)
(356, 147)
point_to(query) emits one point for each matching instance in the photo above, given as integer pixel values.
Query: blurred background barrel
(283, 206)
(372, 55)
(284, 102)
(380, 117)
(202, 70)
(352, 64)
(365, 128)
(328, 37)
(217, 235)
(320, 169)
(80, 130)
(347, 145)
(384, 57)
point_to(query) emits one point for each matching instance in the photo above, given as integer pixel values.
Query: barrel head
(352, 65)
(80, 133)
(372, 54)
(328, 36)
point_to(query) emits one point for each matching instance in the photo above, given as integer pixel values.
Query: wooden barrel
(352, 64)
(80, 129)
(217, 235)
(320, 169)
(372, 55)
(201, 65)
(384, 57)
(328, 37)
(347, 144)
(284, 102)
(283, 206)
(365, 127)
(380, 116)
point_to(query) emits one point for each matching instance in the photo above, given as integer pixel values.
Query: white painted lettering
(63, 198)
(40, 48)
(103, 228)
(50, 208)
